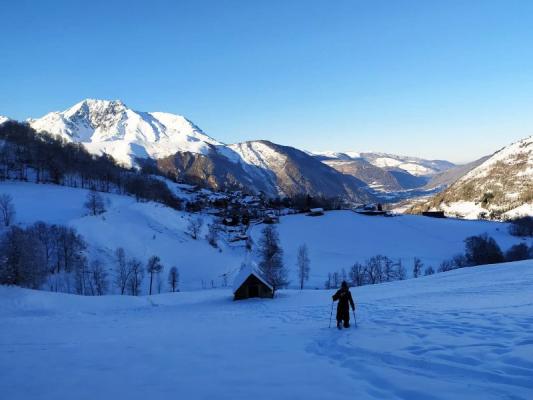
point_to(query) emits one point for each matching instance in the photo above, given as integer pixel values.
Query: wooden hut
(315, 212)
(249, 283)
(434, 214)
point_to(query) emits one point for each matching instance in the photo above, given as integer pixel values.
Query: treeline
(377, 269)
(479, 250)
(27, 155)
(304, 203)
(482, 250)
(53, 257)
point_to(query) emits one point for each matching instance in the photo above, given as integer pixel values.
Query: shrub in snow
(429, 271)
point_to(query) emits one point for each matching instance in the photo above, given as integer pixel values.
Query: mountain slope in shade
(446, 178)
(375, 177)
(111, 127)
(296, 171)
(500, 187)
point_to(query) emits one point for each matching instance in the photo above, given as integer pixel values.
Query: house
(249, 283)
(315, 212)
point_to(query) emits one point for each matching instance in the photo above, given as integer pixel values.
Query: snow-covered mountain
(3, 119)
(384, 172)
(296, 171)
(178, 147)
(111, 127)
(501, 186)
(412, 165)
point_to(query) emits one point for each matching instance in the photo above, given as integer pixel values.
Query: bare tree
(357, 274)
(303, 265)
(212, 234)
(429, 271)
(327, 284)
(195, 227)
(123, 270)
(97, 278)
(7, 209)
(401, 273)
(136, 276)
(153, 267)
(417, 267)
(174, 279)
(94, 203)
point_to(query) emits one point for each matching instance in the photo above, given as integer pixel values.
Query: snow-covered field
(335, 240)
(464, 334)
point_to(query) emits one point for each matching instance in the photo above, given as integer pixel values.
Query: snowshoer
(345, 299)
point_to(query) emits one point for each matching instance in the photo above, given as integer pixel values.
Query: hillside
(446, 178)
(500, 187)
(335, 241)
(464, 334)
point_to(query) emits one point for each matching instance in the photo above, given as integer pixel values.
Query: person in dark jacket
(345, 299)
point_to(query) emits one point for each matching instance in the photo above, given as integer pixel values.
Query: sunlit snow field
(465, 334)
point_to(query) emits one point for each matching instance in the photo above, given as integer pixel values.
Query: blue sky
(437, 79)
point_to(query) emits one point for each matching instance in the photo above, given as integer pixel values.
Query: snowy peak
(3, 119)
(109, 126)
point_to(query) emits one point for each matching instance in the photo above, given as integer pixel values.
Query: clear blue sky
(442, 79)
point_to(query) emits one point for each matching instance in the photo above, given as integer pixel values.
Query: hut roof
(244, 273)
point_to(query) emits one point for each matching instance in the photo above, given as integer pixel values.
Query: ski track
(486, 358)
(459, 335)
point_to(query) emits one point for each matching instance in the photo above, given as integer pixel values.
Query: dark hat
(344, 285)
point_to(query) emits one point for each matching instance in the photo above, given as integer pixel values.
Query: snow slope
(142, 229)
(464, 334)
(3, 119)
(335, 240)
(111, 127)
(340, 238)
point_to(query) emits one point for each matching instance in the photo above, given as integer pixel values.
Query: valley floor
(464, 334)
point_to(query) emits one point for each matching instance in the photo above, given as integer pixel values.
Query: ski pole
(354, 319)
(331, 314)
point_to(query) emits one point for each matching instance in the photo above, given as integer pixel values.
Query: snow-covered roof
(316, 210)
(244, 274)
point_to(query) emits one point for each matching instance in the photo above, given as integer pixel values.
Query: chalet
(249, 283)
(315, 212)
